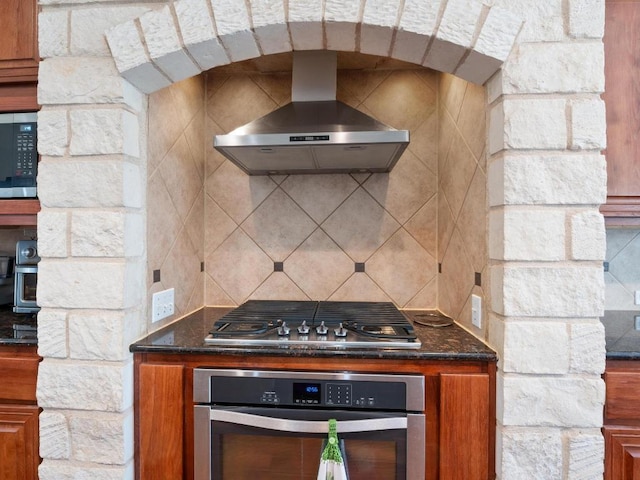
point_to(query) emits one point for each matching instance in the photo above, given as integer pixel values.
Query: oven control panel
(328, 394)
(308, 389)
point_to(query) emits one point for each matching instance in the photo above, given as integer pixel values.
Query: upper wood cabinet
(18, 41)
(19, 60)
(622, 99)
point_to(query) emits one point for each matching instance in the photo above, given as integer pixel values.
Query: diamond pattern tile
(360, 286)
(318, 267)
(423, 226)
(238, 266)
(397, 223)
(405, 189)
(360, 226)
(237, 193)
(278, 225)
(180, 173)
(277, 287)
(401, 267)
(319, 195)
(457, 274)
(403, 100)
(218, 225)
(457, 173)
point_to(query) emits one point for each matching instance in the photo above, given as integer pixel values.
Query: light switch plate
(637, 322)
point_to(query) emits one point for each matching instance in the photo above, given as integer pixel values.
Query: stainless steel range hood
(315, 133)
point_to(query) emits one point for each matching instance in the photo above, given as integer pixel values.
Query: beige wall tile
(278, 225)
(238, 266)
(360, 226)
(357, 224)
(319, 266)
(401, 267)
(319, 195)
(405, 189)
(402, 100)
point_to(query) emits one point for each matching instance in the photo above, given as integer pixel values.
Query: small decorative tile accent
(478, 279)
(359, 267)
(156, 276)
(278, 266)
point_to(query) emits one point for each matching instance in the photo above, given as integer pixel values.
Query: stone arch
(466, 38)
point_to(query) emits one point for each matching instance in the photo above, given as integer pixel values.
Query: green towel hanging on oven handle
(331, 463)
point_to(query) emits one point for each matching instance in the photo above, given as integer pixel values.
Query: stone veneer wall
(545, 182)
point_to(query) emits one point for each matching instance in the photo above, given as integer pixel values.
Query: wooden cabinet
(459, 444)
(622, 421)
(161, 421)
(19, 455)
(622, 99)
(18, 41)
(19, 60)
(18, 442)
(19, 56)
(464, 431)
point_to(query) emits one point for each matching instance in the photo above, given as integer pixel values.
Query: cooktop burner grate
(270, 311)
(361, 313)
(320, 324)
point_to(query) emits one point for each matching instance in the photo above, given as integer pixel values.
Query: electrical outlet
(637, 297)
(162, 304)
(476, 311)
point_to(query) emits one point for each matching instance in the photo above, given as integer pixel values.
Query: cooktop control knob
(340, 331)
(303, 329)
(322, 329)
(283, 330)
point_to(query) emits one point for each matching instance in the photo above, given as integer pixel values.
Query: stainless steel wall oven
(264, 424)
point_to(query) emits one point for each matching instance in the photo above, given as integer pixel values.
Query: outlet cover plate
(162, 304)
(476, 311)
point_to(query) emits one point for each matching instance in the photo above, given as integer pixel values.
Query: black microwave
(18, 155)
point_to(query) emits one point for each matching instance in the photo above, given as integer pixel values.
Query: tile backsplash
(368, 237)
(623, 276)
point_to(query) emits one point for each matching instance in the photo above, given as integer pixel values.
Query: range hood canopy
(314, 133)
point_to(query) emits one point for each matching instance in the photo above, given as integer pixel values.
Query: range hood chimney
(314, 133)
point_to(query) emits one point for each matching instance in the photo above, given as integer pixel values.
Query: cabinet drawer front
(623, 395)
(19, 376)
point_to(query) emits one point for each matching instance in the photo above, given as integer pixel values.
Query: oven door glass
(26, 279)
(249, 443)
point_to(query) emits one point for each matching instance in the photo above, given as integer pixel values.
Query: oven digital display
(307, 393)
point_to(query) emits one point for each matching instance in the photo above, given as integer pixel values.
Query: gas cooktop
(315, 324)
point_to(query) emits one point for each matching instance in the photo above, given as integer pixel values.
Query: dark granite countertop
(186, 335)
(17, 328)
(622, 332)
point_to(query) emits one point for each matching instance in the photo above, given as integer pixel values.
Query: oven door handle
(307, 426)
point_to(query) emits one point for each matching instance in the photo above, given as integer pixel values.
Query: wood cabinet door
(622, 99)
(19, 458)
(18, 41)
(161, 417)
(622, 453)
(464, 426)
